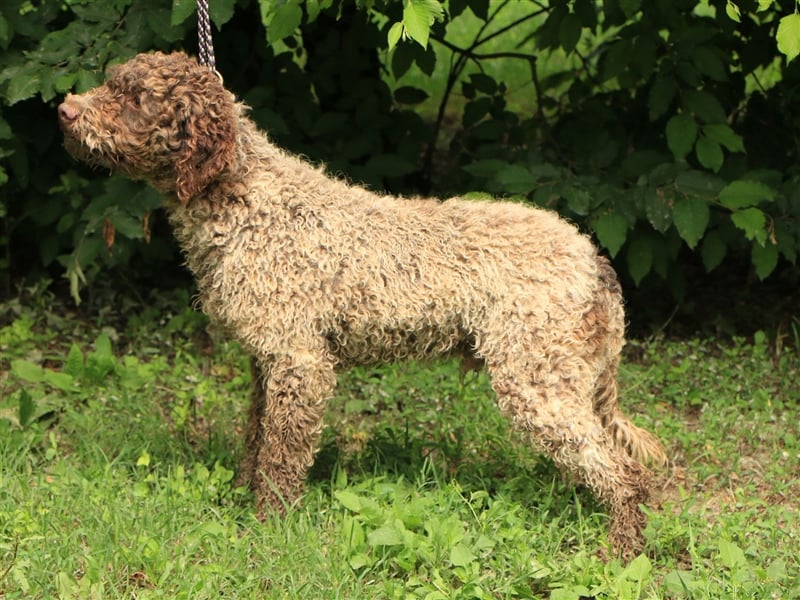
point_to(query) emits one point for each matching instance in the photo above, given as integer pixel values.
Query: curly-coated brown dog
(312, 275)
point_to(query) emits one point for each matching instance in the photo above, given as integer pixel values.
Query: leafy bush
(664, 127)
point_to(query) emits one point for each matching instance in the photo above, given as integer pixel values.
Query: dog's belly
(371, 343)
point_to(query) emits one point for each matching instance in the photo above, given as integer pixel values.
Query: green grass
(120, 431)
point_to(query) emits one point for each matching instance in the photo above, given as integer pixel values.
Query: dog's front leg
(289, 399)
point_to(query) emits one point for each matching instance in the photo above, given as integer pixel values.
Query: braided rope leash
(204, 41)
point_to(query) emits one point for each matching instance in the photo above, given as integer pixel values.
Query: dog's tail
(637, 442)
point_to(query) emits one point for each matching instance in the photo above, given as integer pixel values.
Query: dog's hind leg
(572, 435)
(546, 387)
(604, 326)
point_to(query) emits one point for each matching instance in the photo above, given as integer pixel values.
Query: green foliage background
(667, 127)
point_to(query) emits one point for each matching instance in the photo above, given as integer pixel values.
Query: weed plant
(120, 431)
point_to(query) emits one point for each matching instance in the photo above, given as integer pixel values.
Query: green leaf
(546, 194)
(64, 82)
(312, 10)
(764, 259)
(638, 569)
(425, 58)
(358, 561)
(548, 32)
(410, 95)
(23, 85)
(102, 347)
(709, 153)
(385, 536)
(687, 72)
(402, 59)
(630, 7)
(788, 36)
(349, 500)
(61, 381)
(573, 592)
(681, 133)
(699, 183)
(76, 279)
(101, 361)
(741, 194)
(144, 459)
(713, 250)
(705, 106)
(483, 83)
(578, 200)
(725, 136)
(394, 35)
(733, 12)
(418, 16)
(616, 59)
(26, 408)
(681, 583)
(65, 585)
(611, 230)
(486, 168)
(752, 222)
(660, 96)
(5, 32)
(731, 555)
(658, 210)
(456, 7)
(776, 571)
(709, 63)
(691, 216)
(461, 556)
(569, 32)
(475, 110)
(27, 371)
(127, 225)
(516, 179)
(284, 22)
(478, 196)
(87, 80)
(182, 10)
(221, 11)
(586, 11)
(479, 8)
(640, 259)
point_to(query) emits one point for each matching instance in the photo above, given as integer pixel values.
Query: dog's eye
(135, 101)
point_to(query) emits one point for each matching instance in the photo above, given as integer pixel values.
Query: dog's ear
(207, 115)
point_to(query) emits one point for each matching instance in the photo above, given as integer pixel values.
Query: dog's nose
(67, 112)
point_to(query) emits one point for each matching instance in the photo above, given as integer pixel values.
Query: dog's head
(159, 117)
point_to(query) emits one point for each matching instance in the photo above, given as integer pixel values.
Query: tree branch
(457, 67)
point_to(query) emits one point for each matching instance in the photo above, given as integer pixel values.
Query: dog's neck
(266, 188)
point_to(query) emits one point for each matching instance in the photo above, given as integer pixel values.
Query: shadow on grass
(513, 470)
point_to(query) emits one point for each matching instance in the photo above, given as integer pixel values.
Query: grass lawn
(120, 430)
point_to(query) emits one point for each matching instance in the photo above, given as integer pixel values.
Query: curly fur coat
(312, 274)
